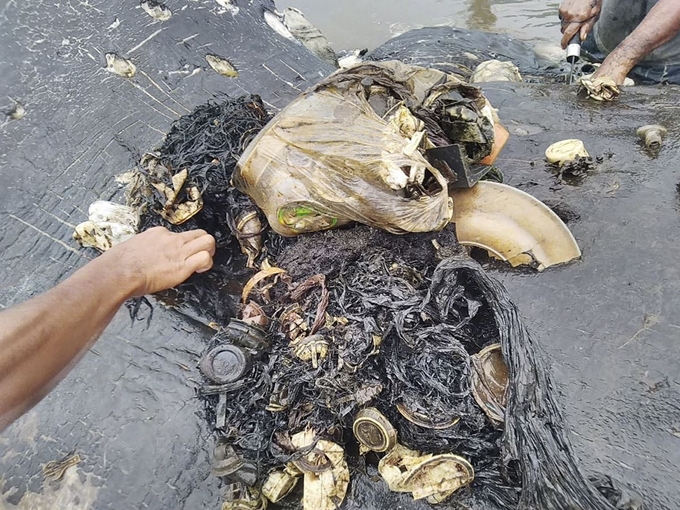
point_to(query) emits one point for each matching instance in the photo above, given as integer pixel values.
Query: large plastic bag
(352, 149)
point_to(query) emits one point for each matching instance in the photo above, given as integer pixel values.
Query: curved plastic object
(562, 152)
(512, 225)
(374, 431)
(225, 364)
(652, 135)
(501, 138)
(489, 381)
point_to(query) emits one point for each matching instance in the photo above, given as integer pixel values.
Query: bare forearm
(660, 25)
(40, 340)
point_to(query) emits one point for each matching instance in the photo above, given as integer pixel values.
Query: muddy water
(350, 24)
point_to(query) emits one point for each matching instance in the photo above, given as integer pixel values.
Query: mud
(608, 323)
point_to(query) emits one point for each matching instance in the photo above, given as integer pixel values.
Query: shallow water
(351, 24)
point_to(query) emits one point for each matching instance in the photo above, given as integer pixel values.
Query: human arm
(42, 339)
(660, 25)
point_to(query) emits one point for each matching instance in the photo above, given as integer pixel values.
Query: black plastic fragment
(451, 161)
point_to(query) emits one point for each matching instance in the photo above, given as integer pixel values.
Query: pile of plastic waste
(354, 331)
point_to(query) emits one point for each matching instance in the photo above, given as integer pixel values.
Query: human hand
(158, 259)
(578, 17)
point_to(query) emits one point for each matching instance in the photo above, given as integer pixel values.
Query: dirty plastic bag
(351, 149)
(108, 224)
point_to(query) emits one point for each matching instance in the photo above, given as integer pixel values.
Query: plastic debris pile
(354, 149)
(357, 347)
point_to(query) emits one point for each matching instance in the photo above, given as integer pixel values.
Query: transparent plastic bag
(352, 149)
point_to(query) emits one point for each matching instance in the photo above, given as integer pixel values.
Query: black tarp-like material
(608, 323)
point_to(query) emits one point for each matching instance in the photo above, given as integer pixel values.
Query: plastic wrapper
(352, 149)
(108, 224)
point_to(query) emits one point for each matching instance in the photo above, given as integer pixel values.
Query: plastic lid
(225, 364)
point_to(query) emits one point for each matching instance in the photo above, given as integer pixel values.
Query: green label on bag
(303, 218)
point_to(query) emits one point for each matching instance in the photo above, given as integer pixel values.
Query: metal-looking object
(573, 54)
(374, 431)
